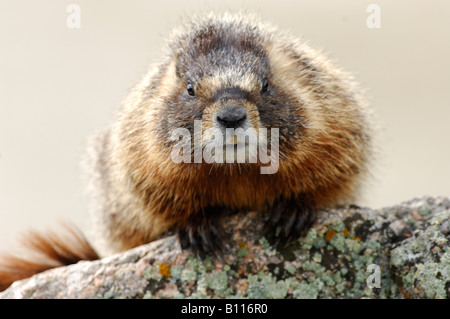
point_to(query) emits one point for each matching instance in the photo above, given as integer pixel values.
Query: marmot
(223, 71)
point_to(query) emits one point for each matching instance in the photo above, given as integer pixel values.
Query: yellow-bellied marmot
(228, 71)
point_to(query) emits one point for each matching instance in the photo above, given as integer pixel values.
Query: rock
(396, 252)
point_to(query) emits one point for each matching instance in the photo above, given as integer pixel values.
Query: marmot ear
(178, 69)
(283, 63)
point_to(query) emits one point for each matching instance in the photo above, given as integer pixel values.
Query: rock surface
(396, 252)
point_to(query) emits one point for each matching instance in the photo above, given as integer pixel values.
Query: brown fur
(45, 252)
(325, 138)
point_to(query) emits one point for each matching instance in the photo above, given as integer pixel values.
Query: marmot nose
(231, 116)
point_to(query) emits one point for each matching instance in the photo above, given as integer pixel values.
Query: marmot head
(223, 76)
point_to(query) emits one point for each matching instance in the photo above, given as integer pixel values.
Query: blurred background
(59, 85)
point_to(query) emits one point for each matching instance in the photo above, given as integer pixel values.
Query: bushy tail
(43, 252)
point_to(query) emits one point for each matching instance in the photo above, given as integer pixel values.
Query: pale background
(59, 85)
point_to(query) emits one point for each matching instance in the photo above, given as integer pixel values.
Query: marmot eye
(265, 86)
(190, 89)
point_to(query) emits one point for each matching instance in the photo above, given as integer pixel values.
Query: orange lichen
(330, 234)
(346, 232)
(164, 269)
(405, 293)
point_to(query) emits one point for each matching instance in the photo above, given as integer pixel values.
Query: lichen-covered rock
(422, 263)
(396, 252)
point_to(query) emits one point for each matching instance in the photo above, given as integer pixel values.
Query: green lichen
(361, 262)
(417, 247)
(393, 291)
(423, 262)
(361, 277)
(353, 245)
(256, 289)
(327, 279)
(427, 275)
(408, 279)
(313, 267)
(276, 270)
(337, 277)
(152, 273)
(193, 267)
(291, 269)
(317, 258)
(368, 292)
(208, 262)
(242, 252)
(425, 209)
(218, 281)
(200, 294)
(338, 242)
(339, 227)
(340, 287)
(175, 272)
(278, 290)
(202, 285)
(433, 276)
(188, 275)
(440, 217)
(266, 286)
(399, 256)
(374, 246)
(410, 222)
(308, 241)
(308, 290)
(109, 295)
(267, 247)
(320, 243)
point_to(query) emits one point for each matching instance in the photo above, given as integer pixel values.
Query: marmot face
(223, 76)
